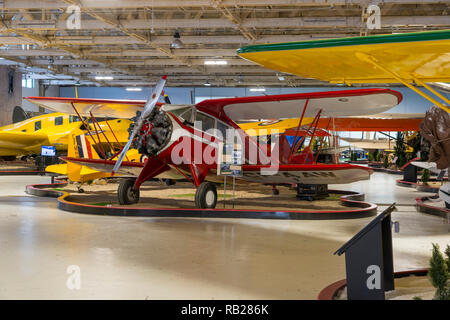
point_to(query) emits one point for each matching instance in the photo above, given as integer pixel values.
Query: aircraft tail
(78, 147)
(84, 148)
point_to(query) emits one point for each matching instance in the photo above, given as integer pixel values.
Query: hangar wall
(412, 102)
(10, 93)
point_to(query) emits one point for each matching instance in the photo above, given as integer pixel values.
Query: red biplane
(182, 141)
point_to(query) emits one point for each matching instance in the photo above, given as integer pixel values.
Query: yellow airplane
(27, 137)
(409, 58)
(79, 145)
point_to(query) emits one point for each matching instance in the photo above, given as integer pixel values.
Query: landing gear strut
(126, 192)
(206, 196)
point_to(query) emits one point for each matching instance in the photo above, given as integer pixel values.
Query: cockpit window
(222, 128)
(58, 121)
(187, 115)
(37, 125)
(178, 112)
(73, 119)
(203, 122)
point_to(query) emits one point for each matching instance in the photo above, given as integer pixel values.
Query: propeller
(148, 108)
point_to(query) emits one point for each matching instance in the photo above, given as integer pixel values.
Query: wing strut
(291, 153)
(370, 59)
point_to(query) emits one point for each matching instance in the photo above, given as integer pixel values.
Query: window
(179, 111)
(37, 125)
(59, 121)
(187, 115)
(28, 83)
(204, 122)
(222, 128)
(73, 119)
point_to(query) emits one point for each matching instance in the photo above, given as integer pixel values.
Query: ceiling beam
(125, 26)
(109, 4)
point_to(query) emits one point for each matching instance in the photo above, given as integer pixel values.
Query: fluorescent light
(281, 78)
(216, 62)
(134, 89)
(104, 78)
(207, 84)
(257, 89)
(443, 85)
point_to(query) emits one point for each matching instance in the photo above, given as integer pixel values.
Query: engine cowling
(155, 133)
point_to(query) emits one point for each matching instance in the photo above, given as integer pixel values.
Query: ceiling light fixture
(134, 89)
(104, 78)
(216, 62)
(207, 84)
(257, 89)
(176, 43)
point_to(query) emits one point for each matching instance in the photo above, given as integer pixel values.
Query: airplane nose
(155, 133)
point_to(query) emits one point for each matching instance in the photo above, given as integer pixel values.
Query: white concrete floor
(181, 258)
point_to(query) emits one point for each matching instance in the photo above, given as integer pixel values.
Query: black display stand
(369, 260)
(410, 173)
(311, 192)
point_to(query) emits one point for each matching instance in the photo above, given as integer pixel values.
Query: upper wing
(124, 109)
(332, 103)
(15, 143)
(426, 55)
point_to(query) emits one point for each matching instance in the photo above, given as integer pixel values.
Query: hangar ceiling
(130, 40)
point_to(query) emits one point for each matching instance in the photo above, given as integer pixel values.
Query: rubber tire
(169, 182)
(125, 193)
(200, 195)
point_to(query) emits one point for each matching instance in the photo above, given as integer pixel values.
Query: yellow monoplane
(410, 58)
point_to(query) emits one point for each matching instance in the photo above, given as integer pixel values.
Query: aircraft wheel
(81, 190)
(206, 196)
(169, 182)
(125, 192)
(275, 192)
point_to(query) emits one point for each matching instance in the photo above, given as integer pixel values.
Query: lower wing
(306, 174)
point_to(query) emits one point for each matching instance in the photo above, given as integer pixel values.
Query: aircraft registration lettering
(319, 174)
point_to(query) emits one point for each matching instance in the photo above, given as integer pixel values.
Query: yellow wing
(21, 143)
(276, 126)
(421, 55)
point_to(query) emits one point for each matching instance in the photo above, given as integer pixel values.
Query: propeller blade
(149, 106)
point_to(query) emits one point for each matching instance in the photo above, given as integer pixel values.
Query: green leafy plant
(400, 150)
(447, 253)
(370, 157)
(438, 274)
(425, 176)
(379, 155)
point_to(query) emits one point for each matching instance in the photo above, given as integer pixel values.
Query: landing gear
(275, 191)
(126, 194)
(206, 196)
(79, 187)
(169, 182)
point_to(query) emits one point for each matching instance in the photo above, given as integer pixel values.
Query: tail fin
(78, 147)
(73, 170)
(84, 148)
